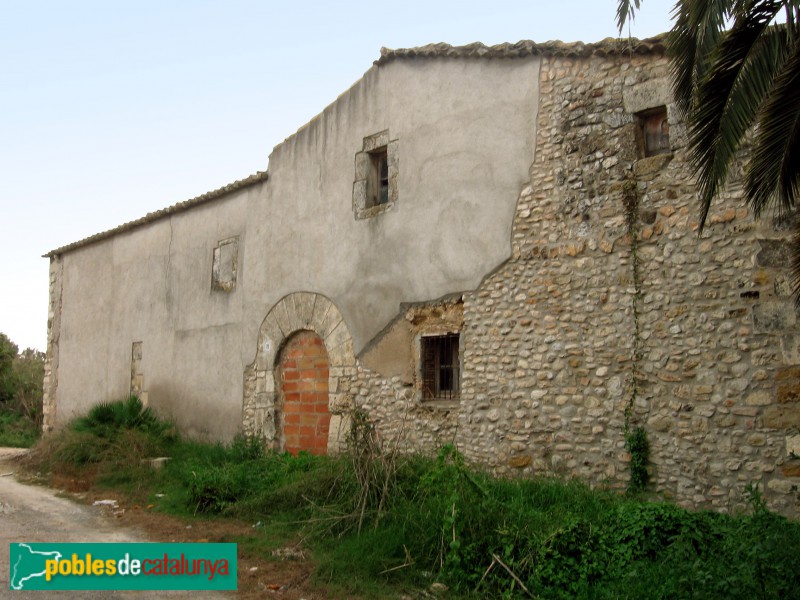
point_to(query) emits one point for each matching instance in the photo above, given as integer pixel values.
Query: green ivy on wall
(636, 442)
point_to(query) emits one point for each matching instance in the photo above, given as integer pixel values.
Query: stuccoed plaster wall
(465, 131)
(153, 285)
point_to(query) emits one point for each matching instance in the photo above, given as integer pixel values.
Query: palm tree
(736, 77)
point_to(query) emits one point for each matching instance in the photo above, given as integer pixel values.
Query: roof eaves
(606, 47)
(166, 212)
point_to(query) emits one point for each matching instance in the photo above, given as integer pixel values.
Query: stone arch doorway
(302, 410)
(261, 404)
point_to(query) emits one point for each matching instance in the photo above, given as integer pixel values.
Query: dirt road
(30, 513)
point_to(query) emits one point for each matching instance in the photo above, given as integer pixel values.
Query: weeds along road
(30, 513)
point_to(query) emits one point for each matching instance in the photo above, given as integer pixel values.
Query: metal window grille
(440, 367)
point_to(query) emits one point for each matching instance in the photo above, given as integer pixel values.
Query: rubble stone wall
(694, 333)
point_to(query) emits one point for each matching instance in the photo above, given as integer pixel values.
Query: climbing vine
(635, 436)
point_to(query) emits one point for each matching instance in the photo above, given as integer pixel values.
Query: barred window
(440, 367)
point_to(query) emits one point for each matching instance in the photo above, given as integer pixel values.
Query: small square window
(654, 131)
(440, 368)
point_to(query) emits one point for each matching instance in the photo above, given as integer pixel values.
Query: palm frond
(728, 99)
(774, 172)
(625, 11)
(697, 31)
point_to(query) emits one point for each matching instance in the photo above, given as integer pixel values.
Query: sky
(113, 109)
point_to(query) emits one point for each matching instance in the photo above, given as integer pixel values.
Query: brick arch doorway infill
(302, 410)
(295, 312)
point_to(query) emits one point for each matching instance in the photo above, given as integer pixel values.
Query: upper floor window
(375, 185)
(378, 180)
(654, 129)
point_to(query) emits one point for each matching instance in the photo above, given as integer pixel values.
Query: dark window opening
(378, 183)
(440, 367)
(654, 129)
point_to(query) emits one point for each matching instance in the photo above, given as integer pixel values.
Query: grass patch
(17, 431)
(379, 524)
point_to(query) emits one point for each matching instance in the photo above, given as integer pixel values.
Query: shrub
(108, 418)
(21, 379)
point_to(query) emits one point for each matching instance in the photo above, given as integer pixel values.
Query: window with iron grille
(440, 367)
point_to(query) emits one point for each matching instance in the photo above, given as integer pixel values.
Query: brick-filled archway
(261, 399)
(303, 406)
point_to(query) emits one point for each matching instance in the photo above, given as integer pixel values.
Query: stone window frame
(437, 332)
(366, 186)
(218, 282)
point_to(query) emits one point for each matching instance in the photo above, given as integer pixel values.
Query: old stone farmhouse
(495, 247)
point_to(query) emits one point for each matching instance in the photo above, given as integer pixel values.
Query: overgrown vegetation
(21, 377)
(378, 523)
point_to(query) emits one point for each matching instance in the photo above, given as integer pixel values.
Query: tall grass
(379, 524)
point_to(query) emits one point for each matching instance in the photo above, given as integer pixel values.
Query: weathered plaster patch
(225, 265)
